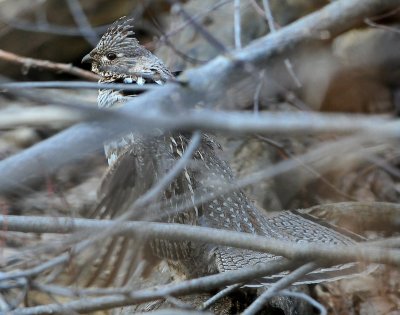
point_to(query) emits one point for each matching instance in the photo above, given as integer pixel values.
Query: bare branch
(81, 20)
(196, 17)
(221, 294)
(329, 254)
(237, 26)
(49, 116)
(268, 15)
(309, 299)
(334, 18)
(203, 284)
(48, 28)
(80, 141)
(199, 28)
(160, 186)
(47, 65)
(283, 283)
(76, 85)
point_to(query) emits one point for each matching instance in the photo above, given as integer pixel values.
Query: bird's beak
(87, 59)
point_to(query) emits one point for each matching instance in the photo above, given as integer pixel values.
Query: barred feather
(138, 162)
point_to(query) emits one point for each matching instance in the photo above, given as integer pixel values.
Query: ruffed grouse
(137, 162)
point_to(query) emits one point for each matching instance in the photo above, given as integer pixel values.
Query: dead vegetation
(302, 95)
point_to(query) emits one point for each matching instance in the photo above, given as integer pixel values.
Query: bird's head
(119, 57)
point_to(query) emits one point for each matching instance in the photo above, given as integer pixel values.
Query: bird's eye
(111, 56)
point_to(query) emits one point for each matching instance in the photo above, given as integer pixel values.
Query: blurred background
(64, 31)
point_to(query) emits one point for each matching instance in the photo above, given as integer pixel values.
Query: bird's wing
(114, 259)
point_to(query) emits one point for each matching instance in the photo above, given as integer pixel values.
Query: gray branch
(329, 254)
(215, 83)
(203, 284)
(281, 284)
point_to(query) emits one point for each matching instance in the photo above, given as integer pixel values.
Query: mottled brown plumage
(138, 162)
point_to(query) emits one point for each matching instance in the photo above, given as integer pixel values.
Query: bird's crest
(119, 36)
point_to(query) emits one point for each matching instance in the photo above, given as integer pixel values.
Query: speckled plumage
(137, 162)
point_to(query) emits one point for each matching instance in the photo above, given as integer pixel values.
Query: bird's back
(226, 207)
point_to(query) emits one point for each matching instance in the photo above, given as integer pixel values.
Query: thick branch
(215, 84)
(19, 172)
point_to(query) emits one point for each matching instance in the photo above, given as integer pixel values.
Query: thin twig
(164, 39)
(289, 68)
(221, 294)
(307, 298)
(196, 17)
(310, 169)
(48, 65)
(39, 116)
(385, 165)
(271, 23)
(268, 15)
(49, 28)
(76, 85)
(199, 28)
(256, 98)
(257, 8)
(82, 22)
(283, 283)
(293, 99)
(237, 26)
(381, 26)
(203, 284)
(160, 186)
